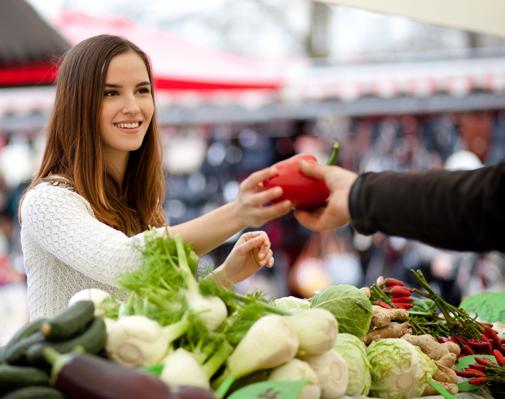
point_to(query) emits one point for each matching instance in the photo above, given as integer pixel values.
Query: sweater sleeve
(462, 210)
(61, 222)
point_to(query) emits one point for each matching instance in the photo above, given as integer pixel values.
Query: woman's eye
(110, 93)
(144, 90)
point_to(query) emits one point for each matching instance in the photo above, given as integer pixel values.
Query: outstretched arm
(251, 208)
(459, 210)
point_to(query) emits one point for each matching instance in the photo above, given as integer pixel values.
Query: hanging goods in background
(303, 191)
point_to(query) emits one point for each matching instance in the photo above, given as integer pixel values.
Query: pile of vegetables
(455, 340)
(170, 335)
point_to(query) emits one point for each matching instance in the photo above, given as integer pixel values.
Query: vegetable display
(170, 335)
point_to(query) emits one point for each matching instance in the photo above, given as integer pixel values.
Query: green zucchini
(13, 377)
(69, 322)
(25, 331)
(34, 393)
(15, 353)
(92, 340)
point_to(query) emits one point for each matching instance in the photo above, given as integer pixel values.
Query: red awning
(28, 45)
(177, 64)
(28, 74)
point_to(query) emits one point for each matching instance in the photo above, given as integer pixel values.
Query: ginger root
(385, 324)
(392, 330)
(381, 317)
(434, 349)
(444, 355)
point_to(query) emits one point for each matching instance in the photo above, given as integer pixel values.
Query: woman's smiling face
(127, 107)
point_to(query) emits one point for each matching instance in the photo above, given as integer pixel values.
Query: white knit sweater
(67, 249)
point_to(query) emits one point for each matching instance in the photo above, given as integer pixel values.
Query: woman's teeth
(133, 125)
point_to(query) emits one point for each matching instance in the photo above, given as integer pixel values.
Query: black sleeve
(459, 210)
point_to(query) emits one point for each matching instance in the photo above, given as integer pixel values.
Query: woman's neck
(116, 163)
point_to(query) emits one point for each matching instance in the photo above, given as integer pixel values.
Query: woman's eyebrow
(113, 85)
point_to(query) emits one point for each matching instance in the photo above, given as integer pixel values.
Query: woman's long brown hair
(74, 147)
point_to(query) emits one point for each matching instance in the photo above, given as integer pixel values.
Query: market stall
(168, 334)
(175, 337)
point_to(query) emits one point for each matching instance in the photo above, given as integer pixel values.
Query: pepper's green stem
(335, 151)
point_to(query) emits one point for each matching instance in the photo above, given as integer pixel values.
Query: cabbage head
(292, 304)
(353, 350)
(350, 306)
(399, 369)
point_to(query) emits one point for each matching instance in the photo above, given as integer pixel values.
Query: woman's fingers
(253, 234)
(250, 244)
(255, 179)
(263, 197)
(268, 261)
(257, 244)
(274, 211)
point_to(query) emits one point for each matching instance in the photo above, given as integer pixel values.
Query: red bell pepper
(303, 191)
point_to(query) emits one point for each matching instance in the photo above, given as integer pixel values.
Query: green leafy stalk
(189, 279)
(232, 298)
(457, 321)
(212, 365)
(176, 330)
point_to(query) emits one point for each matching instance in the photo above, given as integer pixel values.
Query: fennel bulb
(331, 370)
(297, 369)
(269, 343)
(181, 368)
(139, 341)
(316, 330)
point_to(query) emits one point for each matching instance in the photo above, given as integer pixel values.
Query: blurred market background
(243, 84)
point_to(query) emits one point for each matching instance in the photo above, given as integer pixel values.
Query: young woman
(101, 184)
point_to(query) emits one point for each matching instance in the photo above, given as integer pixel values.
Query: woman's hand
(250, 205)
(250, 253)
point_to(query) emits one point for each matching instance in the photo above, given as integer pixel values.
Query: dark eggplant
(187, 392)
(81, 375)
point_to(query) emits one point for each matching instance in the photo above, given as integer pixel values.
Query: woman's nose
(131, 105)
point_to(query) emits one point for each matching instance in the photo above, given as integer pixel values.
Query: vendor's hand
(250, 253)
(250, 204)
(336, 212)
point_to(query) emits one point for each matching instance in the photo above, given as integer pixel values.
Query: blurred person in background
(100, 185)
(457, 210)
